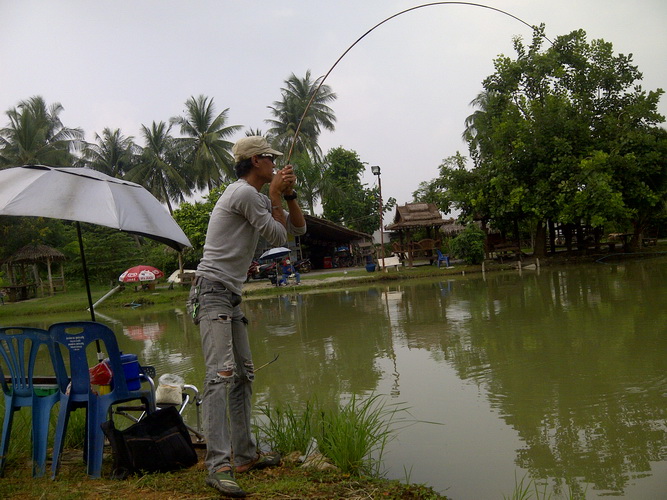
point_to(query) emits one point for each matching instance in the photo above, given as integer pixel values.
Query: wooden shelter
(324, 239)
(32, 255)
(409, 218)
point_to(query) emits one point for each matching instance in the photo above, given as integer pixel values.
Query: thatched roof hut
(33, 255)
(416, 215)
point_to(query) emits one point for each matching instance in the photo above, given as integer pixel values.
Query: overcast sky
(403, 91)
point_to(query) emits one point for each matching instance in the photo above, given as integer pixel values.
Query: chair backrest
(440, 256)
(19, 347)
(76, 337)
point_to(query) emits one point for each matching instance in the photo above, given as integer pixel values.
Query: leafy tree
(160, 167)
(358, 207)
(16, 232)
(113, 154)
(288, 111)
(207, 152)
(108, 252)
(564, 134)
(35, 135)
(444, 191)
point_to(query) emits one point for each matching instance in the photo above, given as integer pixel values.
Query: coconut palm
(476, 125)
(113, 154)
(287, 113)
(251, 132)
(314, 181)
(207, 151)
(35, 135)
(159, 168)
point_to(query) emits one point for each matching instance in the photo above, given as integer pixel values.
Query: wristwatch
(289, 197)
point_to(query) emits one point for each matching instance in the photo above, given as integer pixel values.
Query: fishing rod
(312, 98)
(267, 364)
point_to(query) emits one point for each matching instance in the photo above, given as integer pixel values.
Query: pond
(556, 374)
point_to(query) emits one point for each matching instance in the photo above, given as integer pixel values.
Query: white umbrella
(84, 195)
(275, 253)
(175, 277)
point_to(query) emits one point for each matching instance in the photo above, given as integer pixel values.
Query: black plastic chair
(75, 337)
(19, 347)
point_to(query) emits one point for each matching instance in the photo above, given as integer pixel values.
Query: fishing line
(312, 98)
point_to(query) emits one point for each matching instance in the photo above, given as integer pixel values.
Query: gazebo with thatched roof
(31, 255)
(409, 218)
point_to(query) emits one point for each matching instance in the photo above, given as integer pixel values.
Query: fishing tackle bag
(160, 442)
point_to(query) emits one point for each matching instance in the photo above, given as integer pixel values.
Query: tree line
(191, 153)
(562, 136)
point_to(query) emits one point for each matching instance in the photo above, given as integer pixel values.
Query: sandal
(271, 459)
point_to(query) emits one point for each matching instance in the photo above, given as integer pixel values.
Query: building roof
(322, 229)
(414, 215)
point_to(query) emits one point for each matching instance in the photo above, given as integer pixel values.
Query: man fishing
(240, 216)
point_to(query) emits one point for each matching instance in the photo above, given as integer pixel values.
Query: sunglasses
(268, 155)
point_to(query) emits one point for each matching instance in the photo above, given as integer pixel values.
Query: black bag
(160, 442)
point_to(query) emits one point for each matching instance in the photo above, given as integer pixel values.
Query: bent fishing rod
(323, 79)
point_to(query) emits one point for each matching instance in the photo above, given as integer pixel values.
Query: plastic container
(131, 370)
(170, 389)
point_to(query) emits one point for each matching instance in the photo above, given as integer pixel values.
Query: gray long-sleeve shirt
(240, 216)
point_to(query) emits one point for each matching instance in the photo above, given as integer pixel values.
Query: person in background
(238, 219)
(288, 270)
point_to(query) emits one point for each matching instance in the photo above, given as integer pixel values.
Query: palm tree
(207, 151)
(35, 135)
(114, 154)
(314, 181)
(160, 169)
(289, 111)
(251, 132)
(476, 125)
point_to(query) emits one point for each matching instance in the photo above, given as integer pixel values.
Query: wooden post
(48, 267)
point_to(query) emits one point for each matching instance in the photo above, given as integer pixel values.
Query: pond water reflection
(560, 373)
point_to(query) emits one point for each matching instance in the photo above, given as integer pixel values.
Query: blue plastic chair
(19, 347)
(442, 258)
(75, 337)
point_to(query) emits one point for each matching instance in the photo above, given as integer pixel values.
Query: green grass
(352, 437)
(19, 440)
(286, 430)
(530, 490)
(290, 480)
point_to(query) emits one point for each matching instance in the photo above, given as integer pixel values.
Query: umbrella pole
(100, 355)
(85, 272)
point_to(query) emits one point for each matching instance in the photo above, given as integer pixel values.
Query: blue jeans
(229, 375)
(286, 276)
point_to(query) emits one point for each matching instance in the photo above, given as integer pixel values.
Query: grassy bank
(286, 482)
(351, 440)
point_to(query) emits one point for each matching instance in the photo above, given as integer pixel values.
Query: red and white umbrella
(140, 273)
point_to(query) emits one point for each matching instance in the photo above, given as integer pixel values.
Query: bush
(469, 245)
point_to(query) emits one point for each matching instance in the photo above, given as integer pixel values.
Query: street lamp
(376, 171)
